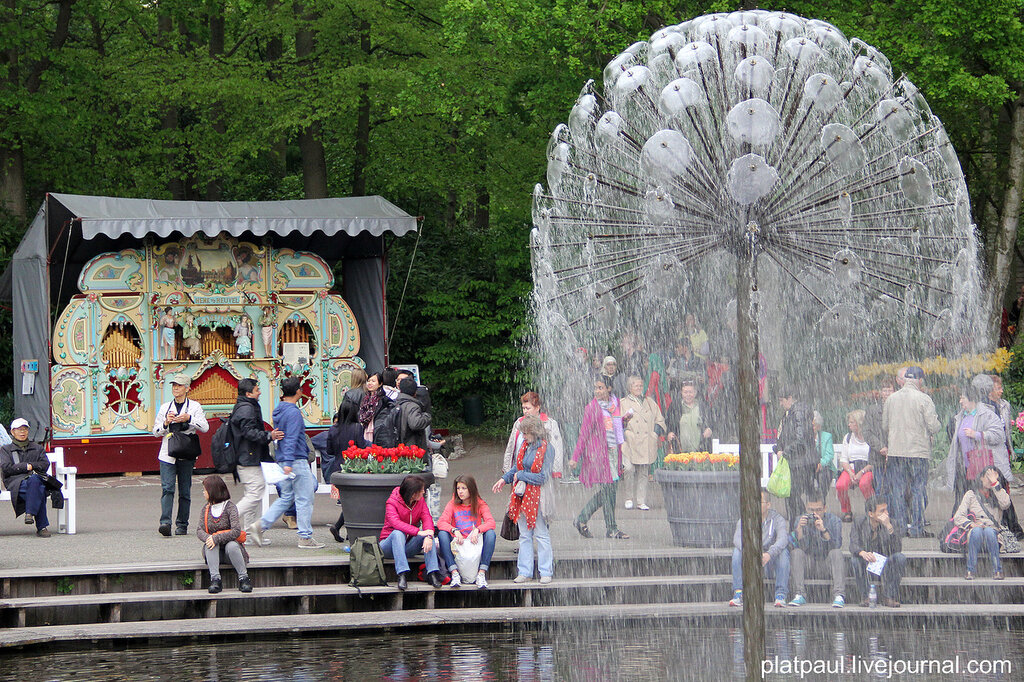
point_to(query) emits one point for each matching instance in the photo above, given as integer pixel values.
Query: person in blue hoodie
(774, 557)
(292, 456)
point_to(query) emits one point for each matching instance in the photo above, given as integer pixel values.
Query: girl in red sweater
(466, 519)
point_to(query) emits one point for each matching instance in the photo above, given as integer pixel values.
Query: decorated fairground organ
(218, 310)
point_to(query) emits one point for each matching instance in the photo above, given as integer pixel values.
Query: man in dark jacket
(18, 460)
(818, 538)
(796, 442)
(251, 445)
(415, 419)
(873, 432)
(872, 535)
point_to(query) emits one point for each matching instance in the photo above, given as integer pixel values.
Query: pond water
(559, 653)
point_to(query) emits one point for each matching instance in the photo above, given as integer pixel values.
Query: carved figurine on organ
(189, 307)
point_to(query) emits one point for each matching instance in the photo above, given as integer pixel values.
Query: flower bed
(701, 461)
(403, 459)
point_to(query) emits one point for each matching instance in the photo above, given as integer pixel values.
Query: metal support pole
(750, 454)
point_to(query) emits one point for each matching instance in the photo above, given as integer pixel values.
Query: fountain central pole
(749, 414)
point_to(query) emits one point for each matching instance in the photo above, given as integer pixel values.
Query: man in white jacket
(185, 416)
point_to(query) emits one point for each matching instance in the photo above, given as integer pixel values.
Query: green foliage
(65, 586)
(187, 579)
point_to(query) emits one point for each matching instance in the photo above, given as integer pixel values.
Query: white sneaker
(250, 540)
(643, 507)
(521, 579)
(481, 580)
(545, 580)
(629, 504)
(456, 578)
(310, 543)
(255, 531)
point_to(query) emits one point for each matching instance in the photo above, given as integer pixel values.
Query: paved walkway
(118, 518)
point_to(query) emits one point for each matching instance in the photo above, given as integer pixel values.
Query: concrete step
(698, 614)
(335, 597)
(328, 568)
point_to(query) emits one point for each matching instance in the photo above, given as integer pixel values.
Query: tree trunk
(214, 188)
(314, 161)
(169, 124)
(12, 182)
(275, 50)
(1002, 248)
(361, 151)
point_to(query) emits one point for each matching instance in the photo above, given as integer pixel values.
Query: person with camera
(872, 537)
(178, 415)
(818, 539)
(981, 510)
(774, 553)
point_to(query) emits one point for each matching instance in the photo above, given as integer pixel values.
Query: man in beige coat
(908, 423)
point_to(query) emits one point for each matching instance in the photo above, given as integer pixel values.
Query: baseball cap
(18, 423)
(181, 380)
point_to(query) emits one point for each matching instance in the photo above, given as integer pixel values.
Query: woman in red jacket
(409, 530)
(466, 520)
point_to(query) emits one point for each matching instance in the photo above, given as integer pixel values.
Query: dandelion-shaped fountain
(765, 159)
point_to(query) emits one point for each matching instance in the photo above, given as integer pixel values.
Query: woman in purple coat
(598, 456)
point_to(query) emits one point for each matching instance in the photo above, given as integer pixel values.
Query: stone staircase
(155, 603)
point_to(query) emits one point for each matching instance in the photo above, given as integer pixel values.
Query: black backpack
(225, 450)
(387, 428)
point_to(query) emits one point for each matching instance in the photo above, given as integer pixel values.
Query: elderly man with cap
(18, 460)
(185, 416)
(908, 423)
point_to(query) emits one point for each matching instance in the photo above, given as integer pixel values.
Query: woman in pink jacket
(598, 454)
(409, 530)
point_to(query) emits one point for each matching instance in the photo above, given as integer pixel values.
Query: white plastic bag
(439, 465)
(467, 557)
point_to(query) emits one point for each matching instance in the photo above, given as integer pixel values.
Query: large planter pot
(702, 506)
(363, 497)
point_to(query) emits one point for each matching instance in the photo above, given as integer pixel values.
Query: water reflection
(585, 652)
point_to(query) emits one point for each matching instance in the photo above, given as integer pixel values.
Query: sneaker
(737, 599)
(780, 603)
(629, 504)
(29, 519)
(215, 586)
(521, 579)
(481, 581)
(545, 580)
(839, 602)
(643, 507)
(250, 540)
(310, 543)
(456, 578)
(181, 531)
(43, 532)
(244, 584)
(798, 600)
(254, 531)
(165, 530)
(998, 575)
(890, 603)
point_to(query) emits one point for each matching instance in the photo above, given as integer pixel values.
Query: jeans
(408, 548)
(232, 551)
(891, 577)
(545, 557)
(33, 492)
(252, 480)
(835, 562)
(291, 510)
(181, 471)
(298, 490)
(779, 566)
(902, 473)
(983, 536)
(444, 541)
(802, 480)
(603, 499)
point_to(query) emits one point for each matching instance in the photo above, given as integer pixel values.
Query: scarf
(529, 503)
(368, 407)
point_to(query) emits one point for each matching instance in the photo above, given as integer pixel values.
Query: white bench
(768, 458)
(67, 476)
